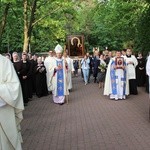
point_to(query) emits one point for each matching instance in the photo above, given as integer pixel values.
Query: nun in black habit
(25, 78)
(40, 78)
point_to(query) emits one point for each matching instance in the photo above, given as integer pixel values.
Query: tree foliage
(112, 23)
(143, 34)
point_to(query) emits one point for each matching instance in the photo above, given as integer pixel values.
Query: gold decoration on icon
(77, 39)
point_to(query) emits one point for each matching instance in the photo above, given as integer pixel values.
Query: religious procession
(117, 73)
(74, 75)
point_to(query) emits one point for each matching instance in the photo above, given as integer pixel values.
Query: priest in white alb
(11, 107)
(48, 63)
(116, 82)
(70, 69)
(59, 69)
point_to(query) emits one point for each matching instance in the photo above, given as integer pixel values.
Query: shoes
(61, 103)
(85, 83)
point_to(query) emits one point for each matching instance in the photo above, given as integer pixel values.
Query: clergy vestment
(116, 83)
(70, 69)
(148, 70)
(131, 73)
(59, 81)
(11, 107)
(48, 64)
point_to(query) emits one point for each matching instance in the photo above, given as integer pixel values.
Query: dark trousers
(133, 86)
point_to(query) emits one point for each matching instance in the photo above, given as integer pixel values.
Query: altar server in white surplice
(59, 69)
(116, 82)
(11, 107)
(131, 62)
(48, 63)
(70, 69)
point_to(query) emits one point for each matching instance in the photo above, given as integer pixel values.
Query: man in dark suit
(96, 63)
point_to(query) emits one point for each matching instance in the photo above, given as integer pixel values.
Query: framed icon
(119, 61)
(75, 45)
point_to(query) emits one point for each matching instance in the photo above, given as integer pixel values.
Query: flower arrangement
(102, 67)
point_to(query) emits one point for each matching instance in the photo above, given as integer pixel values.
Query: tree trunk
(26, 39)
(3, 22)
(32, 18)
(28, 26)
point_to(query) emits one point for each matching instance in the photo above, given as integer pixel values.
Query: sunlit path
(90, 122)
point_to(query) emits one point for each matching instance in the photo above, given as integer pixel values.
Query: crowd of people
(118, 72)
(20, 77)
(38, 76)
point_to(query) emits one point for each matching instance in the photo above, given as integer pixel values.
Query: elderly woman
(8, 55)
(16, 63)
(40, 77)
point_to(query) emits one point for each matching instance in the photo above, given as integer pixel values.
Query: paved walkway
(90, 122)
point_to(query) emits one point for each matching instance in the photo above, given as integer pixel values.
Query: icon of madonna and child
(75, 45)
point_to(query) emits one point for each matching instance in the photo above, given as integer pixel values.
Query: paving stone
(91, 121)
